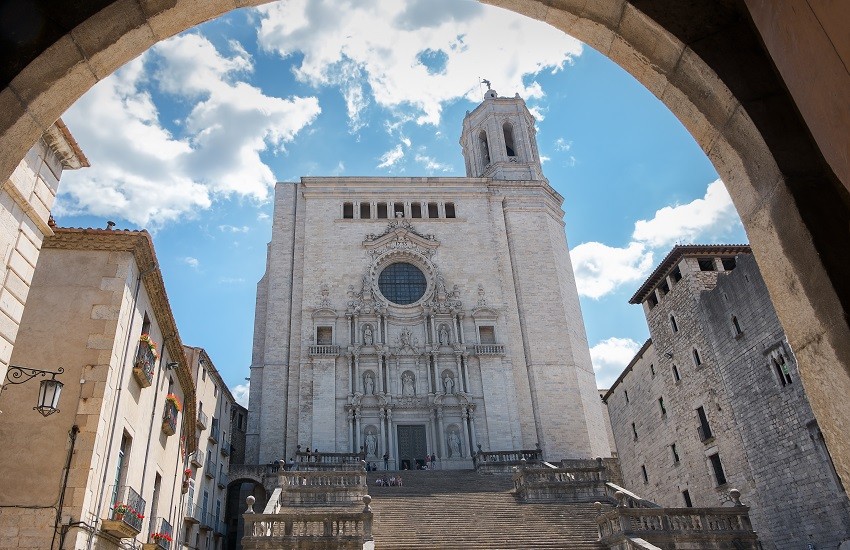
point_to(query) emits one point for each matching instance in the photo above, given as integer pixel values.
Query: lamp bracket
(19, 375)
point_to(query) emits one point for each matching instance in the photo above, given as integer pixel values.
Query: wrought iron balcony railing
(193, 512)
(162, 534)
(197, 458)
(202, 420)
(169, 418)
(215, 432)
(143, 365)
(126, 514)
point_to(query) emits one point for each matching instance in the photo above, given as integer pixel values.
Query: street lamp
(48, 393)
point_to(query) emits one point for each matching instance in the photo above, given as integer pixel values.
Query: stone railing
(613, 473)
(327, 461)
(581, 481)
(307, 529)
(490, 462)
(721, 528)
(488, 349)
(324, 349)
(616, 494)
(321, 488)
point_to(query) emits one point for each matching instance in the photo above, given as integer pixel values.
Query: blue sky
(188, 139)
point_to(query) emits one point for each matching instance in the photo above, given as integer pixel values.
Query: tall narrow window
(626, 395)
(676, 376)
(433, 211)
(736, 326)
(382, 210)
(652, 300)
(661, 405)
(652, 370)
(717, 466)
(728, 263)
(781, 367)
(347, 211)
(706, 264)
(663, 287)
(415, 210)
(675, 453)
(673, 325)
(510, 148)
(485, 148)
(365, 210)
(697, 360)
(687, 496)
(704, 429)
(121, 466)
(676, 274)
(398, 210)
(634, 431)
(450, 209)
(643, 471)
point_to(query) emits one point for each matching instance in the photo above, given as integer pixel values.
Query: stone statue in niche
(449, 384)
(454, 444)
(407, 384)
(367, 335)
(369, 384)
(444, 335)
(405, 337)
(371, 445)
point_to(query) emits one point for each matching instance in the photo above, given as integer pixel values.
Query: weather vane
(487, 82)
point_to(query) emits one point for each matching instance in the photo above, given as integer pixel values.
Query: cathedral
(405, 317)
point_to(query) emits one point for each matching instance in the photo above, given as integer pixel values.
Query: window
(398, 210)
(365, 210)
(661, 405)
(402, 283)
(203, 372)
(485, 148)
(643, 471)
(450, 209)
(687, 496)
(676, 376)
(487, 334)
(736, 326)
(415, 210)
(215, 391)
(510, 149)
(675, 453)
(664, 287)
(324, 336)
(626, 394)
(652, 370)
(717, 466)
(347, 211)
(382, 210)
(634, 431)
(781, 367)
(704, 429)
(697, 360)
(676, 274)
(728, 263)
(706, 264)
(652, 300)
(673, 324)
(433, 211)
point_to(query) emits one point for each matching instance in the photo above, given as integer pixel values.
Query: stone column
(380, 382)
(351, 371)
(428, 339)
(382, 419)
(453, 324)
(428, 370)
(460, 327)
(351, 430)
(432, 432)
(465, 366)
(457, 368)
(351, 340)
(357, 373)
(433, 330)
(391, 434)
(356, 329)
(440, 439)
(472, 430)
(357, 415)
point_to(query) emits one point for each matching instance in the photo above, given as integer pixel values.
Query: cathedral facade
(420, 316)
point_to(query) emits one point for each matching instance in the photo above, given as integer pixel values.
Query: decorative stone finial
(735, 495)
(366, 501)
(598, 506)
(621, 499)
(250, 500)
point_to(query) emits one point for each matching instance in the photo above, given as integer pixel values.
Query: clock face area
(402, 283)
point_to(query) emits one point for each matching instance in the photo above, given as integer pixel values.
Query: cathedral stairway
(461, 509)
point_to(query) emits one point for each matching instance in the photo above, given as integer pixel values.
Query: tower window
(652, 300)
(510, 148)
(673, 324)
(704, 429)
(687, 496)
(675, 453)
(485, 148)
(697, 360)
(676, 274)
(706, 264)
(626, 393)
(661, 405)
(717, 466)
(664, 287)
(415, 210)
(728, 263)
(433, 211)
(676, 376)
(347, 211)
(634, 431)
(450, 209)
(781, 369)
(398, 210)
(365, 210)
(643, 471)
(736, 326)
(652, 370)
(382, 210)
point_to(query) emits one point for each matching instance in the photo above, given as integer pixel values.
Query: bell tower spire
(498, 140)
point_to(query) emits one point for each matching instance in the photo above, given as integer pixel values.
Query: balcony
(223, 479)
(215, 431)
(225, 447)
(221, 529)
(210, 470)
(125, 515)
(161, 535)
(488, 349)
(193, 513)
(169, 417)
(197, 459)
(202, 420)
(207, 521)
(144, 364)
(324, 349)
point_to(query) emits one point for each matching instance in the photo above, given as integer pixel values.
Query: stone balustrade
(488, 349)
(321, 488)
(320, 530)
(324, 349)
(328, 461)
(581, 481)
(720, 528)
(505, 461)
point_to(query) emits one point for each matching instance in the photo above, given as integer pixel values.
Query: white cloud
(231, 280)
(233, 229)
(600, 269)
(391, 157)
(420, 53)
(144, 173)
(711, 216)
(432, 165)
(563, 145)
(610, 357)
(192, 262)
(241, 393)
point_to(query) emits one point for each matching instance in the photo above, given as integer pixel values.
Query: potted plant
(169, 417)
(146, 357)
(119, 510)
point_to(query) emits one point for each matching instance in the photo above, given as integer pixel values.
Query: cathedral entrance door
(412, 446)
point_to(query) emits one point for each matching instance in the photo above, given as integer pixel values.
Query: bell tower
(498, 140)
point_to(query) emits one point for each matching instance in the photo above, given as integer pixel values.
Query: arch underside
(706, 61)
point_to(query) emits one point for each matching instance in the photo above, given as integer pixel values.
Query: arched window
(485, 147)
(510, 148)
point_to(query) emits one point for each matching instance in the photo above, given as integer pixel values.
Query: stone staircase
(461, 509)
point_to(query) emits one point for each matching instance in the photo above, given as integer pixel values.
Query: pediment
(400, 234)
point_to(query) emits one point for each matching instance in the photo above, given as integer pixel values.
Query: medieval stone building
(713, 401)
(414, 316)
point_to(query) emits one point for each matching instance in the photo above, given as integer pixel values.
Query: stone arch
(778, 142)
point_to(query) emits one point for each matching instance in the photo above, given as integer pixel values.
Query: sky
(188, 139)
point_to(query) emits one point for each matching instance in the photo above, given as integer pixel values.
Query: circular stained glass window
(402, 283)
